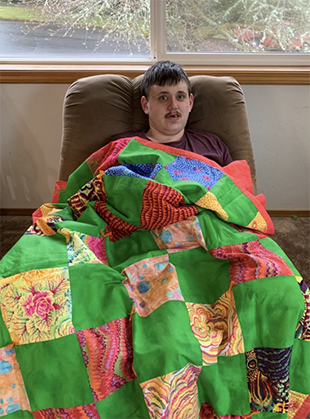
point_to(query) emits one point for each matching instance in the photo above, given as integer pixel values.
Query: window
(209, 32)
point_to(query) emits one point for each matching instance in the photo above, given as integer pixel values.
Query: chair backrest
(98, 108)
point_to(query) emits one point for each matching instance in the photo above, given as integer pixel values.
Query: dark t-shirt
(200, 142)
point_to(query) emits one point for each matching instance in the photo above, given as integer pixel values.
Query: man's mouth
(173, 115)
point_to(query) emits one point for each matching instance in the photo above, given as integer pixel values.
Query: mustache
(177, 113)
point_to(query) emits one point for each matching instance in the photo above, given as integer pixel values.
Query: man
(168, 101)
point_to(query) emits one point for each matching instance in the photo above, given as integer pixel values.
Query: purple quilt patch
(145, 171)
(183, 169)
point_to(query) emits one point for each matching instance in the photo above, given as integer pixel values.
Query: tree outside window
(122, 28)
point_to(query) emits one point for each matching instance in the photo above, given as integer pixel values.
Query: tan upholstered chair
(98, 108)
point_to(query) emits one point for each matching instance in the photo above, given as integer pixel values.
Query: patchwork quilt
(150, 288)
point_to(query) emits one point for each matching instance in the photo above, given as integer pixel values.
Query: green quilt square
(224, 386)
(125, 197)
(269, 310)
(203, 279)
(91, 218)
(137, 153)
(54, 373)
(98, 295)
(219, 233)
(5, 338)
(126, 403)
(128, 250)
(79, 177)
(239, 208)
(163, 341)
(19, 414)
(88, 223)
(34, 252)
(300, 367)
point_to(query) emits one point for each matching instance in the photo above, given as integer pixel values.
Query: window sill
(67, 74)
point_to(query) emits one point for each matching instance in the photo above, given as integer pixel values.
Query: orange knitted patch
(162, 206)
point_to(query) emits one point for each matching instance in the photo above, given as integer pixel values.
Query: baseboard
(17, 211)
(289, 213)
(272, 213)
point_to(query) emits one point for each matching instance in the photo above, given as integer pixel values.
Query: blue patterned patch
(144, 171)
(184, 169)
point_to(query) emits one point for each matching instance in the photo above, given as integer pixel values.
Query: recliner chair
(97, 108)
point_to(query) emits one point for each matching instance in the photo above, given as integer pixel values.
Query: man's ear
(144, 105)
(191, 101)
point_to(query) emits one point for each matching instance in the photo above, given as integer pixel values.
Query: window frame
(247, 68)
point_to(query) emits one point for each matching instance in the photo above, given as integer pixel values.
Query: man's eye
(162, 98)
(181, 97)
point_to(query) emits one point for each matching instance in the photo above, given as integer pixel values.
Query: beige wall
(31, 132)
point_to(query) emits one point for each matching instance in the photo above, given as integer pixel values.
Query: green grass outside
(28, 14)
(20, 13)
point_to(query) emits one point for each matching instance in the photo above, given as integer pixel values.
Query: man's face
(168, 108)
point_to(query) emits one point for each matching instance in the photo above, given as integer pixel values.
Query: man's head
(167, 100)
(163, 73)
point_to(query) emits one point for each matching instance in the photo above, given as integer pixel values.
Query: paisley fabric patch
(303, 327)
(88, 411)
(174, 392)
(217, 328)
(268, 379)
(108, 356)
(251, 260)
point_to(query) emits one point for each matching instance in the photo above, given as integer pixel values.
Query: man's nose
(173, 103)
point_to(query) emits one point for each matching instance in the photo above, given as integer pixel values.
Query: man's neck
(160, 138)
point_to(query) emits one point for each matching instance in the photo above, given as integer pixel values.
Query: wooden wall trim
(67, 74)
(17, 211)
(273, 213)
(289, 213)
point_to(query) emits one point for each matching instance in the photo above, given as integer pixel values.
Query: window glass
(234, 26)
(75, 29)
(121, 29)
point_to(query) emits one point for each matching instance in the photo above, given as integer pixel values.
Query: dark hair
(161, 73)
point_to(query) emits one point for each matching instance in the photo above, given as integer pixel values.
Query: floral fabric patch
(83, 248)
(36, 305)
